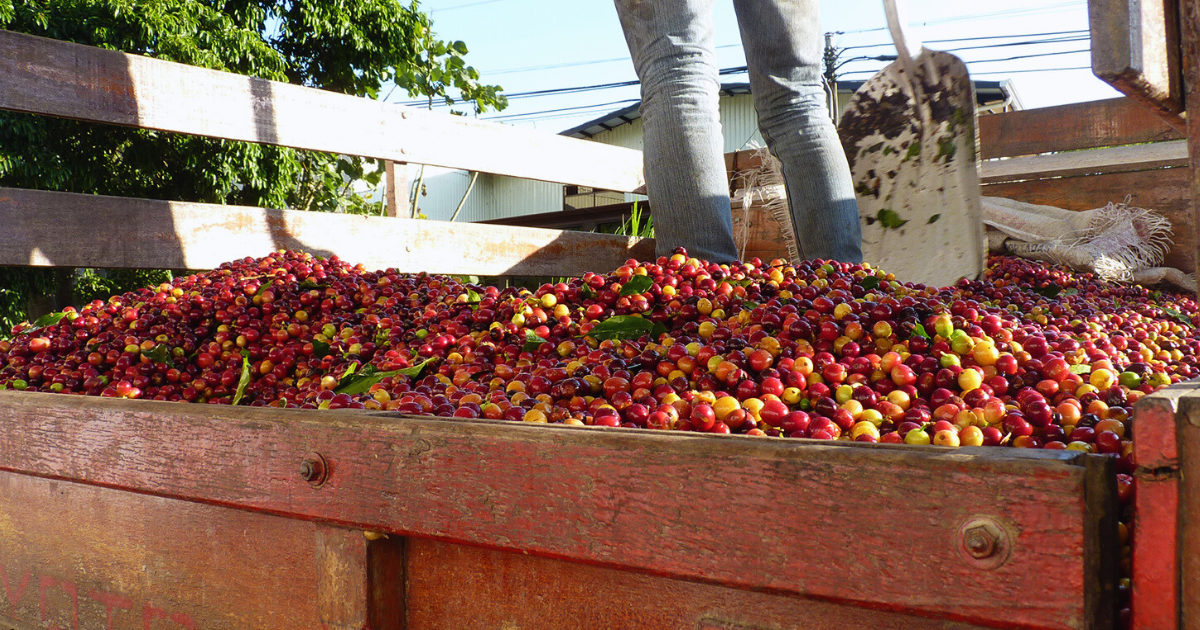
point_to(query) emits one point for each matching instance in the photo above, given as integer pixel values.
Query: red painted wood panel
(469, 588)
(80, 556)
(1155, 446)
(1155, 604)
(839, 522)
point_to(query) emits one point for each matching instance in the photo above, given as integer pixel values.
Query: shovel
(909, 134)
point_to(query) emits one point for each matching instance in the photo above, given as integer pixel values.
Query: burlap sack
(1116, 242)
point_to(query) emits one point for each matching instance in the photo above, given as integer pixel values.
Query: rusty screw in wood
(313, 469)
(980, 542)
(984, 543)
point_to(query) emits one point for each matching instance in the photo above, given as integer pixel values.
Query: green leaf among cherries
(623, 327)
(532, 341)
(243, 381)
(49, 319)
(637, 285)
(361, 381)
(1179, 317)
(159, 354)
(1049, 291)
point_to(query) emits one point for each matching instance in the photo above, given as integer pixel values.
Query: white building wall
(493, 197)
(739, 126)
(496, 197)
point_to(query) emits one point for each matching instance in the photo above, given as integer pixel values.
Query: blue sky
(535, 45)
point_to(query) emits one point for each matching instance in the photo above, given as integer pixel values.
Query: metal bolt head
(308, 472)
(984, 543)
(314, 469)
(979, 542)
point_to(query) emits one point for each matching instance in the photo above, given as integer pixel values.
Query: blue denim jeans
(673, 50)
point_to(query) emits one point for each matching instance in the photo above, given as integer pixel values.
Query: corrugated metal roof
(630, 113)
(986, 92)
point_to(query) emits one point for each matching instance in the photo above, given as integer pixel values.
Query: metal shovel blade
(910, 140)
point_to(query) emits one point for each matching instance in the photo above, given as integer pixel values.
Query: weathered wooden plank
(837, 522)
(1188, 427)
(1166, 190)
(45, 76)
(1135, 49)
(69, 230)
(395, 194)
(470, 588)
(756, 232)
(1101, 559)
(1156, 515)
(1139, 157)
(1189, 430)
(1155, 602)
(80, 556)
(1156, 446)
(1070, 127)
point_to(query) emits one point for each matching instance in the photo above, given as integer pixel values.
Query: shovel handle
(907, 47)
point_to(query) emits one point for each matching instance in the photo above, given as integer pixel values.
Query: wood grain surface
(1135, 48)
(1165, 190)
(80, 556)
(1069, 127)
(1188, 610)
(470, 588)
(71, 230)
(1138, 157)
(44, 76)
(1189, 432)
(837, 522)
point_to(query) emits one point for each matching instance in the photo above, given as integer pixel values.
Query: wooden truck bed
(140, 514)
(200, 514)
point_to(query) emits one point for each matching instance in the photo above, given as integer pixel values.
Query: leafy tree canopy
(350, 47)
(354, 47)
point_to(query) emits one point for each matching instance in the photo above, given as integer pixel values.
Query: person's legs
(671, 42)
(782, 40)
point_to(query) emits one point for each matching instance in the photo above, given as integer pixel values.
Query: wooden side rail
(1071, 127)
(1086, 155)
(689, 507)
(52, 229)
(45, 76)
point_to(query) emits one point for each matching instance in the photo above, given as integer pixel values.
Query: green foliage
(349, 47)
(638, 224)
(16, 285)
(438, 67)
(100, 284)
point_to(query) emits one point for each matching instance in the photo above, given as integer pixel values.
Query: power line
(561, 112)
(1014, 58)
(464, 6)
(1052, 8)
(971, 39)
(627, 101)
(722, 72)
(1032, 70)
(574, 64)
(1080, 37)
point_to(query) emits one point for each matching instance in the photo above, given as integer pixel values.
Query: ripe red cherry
(773, 413)
(703, 417)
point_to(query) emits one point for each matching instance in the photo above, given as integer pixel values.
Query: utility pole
(831, 55)
(830, 58)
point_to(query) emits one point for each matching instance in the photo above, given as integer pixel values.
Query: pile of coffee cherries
(1029, 356)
